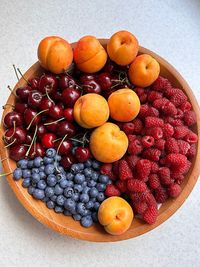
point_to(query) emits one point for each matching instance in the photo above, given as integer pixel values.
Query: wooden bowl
(66, 225)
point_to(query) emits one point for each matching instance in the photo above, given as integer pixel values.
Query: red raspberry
(140, 207)
(139, 91)
(179, 114)
(177, 162)
(180, 132)
(169, 109)
(159, 103)
(174, 122)
(121, 185)
(128, 128)
(134, 185)
(112, 190)
(143, 110)
(124, 170)
(153, 122)
(119, 124)
(107, 170)
(155, 132)
(116, 168)
(153, 95)
(154, 181)
(150, 199)
(168, 130)
(147, 141)
(192, 151)
(186, 106)
(171, 91)
(161, 194)
(179, 179)
(143, 98)
(150, 215)
(171, 146)
(152, 112)
(174, 190)
(161, 84)
(190, 118)
(131, 137)
(135, 147)
(191, 137)
(160, 144)
(132, 160)
(164, 174)
(143, 168)
(178, 98)
(183, 146)
(138, 125)
(154, 167)
(152, 154)
(138, 197)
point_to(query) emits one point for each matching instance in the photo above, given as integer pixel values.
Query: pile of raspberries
(161, 147)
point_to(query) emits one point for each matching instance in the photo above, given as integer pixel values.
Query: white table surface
(170, 28)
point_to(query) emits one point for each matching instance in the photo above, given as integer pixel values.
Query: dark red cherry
(41, 130)
(34, 99)
(23, 92)
(104, 81)
(56, 95)
(16, 135)
(61, 105)
(66, 127)
(34, 83)
(91, 87)
(67, 161)
(107, 93)
(82, 154)
(18, 152)
(48, 83)
(109, 67)
(48, 140)
(64, 148)
(46, 103)
(30, 116)
(68, 114)
(29, 139)
(37, 151)
(53, 126)
(20, 107)
(12, 117)
(87, 77)
(56, 112)
(70, 95)
(66, 81)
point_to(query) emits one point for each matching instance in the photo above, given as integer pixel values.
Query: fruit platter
(99, 138)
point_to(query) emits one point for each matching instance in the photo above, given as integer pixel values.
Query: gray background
(170, 28)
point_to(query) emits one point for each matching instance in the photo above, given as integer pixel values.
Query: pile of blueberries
(77, 192)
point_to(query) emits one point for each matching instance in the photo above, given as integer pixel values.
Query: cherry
(56, 95)
(65, 147)
(70, 95)
(23, 92)
(82, 154)
(34, 83)
(104, 80)
(17, 136)
(46, 103)
(53, 126)
(48, 83)
(56, 112)
(37, 151)
(30, 116)
(92, 87)
(20, 107)
(107, 93)
(29, 139)
(41, 130)
(87, 77)
(66, 81)
(66, 127)
(48, 140)
(34, 99)
(67, 161)
(68, 114)
(61, 105)
(12, 117)
(17, 152)
(109, 67)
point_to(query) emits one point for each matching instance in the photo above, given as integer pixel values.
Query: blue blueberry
(63, 183)
(79, 178)
(58, 190)
(58, 209)
(17, 174)
(26, 182)
(51, 180)
(49, 191)
(70, 183)
(88, 172)
(96, 205)
(96, 164)
(51, 152)
(31, 189)
(101, 187)
(93, 192)
(41, 169)
(81, 209)
(35, 170)
(35, 177)
(50, 204)
(60, 200)
(38, 161)
(91, 183)
(86, 190)
(49, 169)
(100, 197)
(78, 188)
(93, 199)
(86, 221)
(48, 160)
(89, 205)
(67, 213)
(57, 157)
(42, 184)
(70, 205)
(80, 166)
(77, 217)
(75, 197)
(30, 164)
(33, 184)
(45, 199)
(42, 175)
(103, 179)
(84, 184)
(84, 198)
(69, 176)
(95, 176)
(68, 192)
(75, 168)
(38, 194)
(88, 163)
(53, 198)
(22, 163)
(95, 216)
(60, 176)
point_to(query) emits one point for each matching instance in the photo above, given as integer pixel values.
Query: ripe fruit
(17, 152)
(48, 83)
(66, 81)
(68, 114)
(12, 118)
(34, 99)
(30, 116)
(65, 127)
(23, 92)
(82, 154)
(63, 147)
(48, 140)
(104, 80)
(17, 136)
(91, 86)
(70, 96)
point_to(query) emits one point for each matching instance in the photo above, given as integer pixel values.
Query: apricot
(116, 215)
(91, 110)
(144, 70)
(123, 47)
(124, 105)
(55, 54)
(89, 54)
(108, 143)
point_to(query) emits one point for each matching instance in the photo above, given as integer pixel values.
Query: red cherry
(12, 117)
(18, 135)
(68, 114)
(29, 114)
(20, 107)
(56, 95)
(48, 83)
(70, 95)
(109, 67)
(34, 99)
(61, 105)
(17, 152)
(87, 77)
(45, 104)
(23, 92)
(66, 127)
(67, 161)
(104, 80)
(82, 154)
(41, 130)
(29, 139)
(91, 87)
(47, 140)
(37, 151)
(56, 112)
(107, 93)
(34, 83)
(53, 127)
(66, 81)
(64, 148)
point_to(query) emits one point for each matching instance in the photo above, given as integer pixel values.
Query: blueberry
(38, 161)
(51, 180)
(93, 199)
(31, 189)
(49, 191)
(88, 163)
(89, 205)
(58, 190)
(84, 198)
(48, 160)
(41, 168)
(45, 199)
(68, 192)
(49, 169)
(38, 193)
(95, 176)
(81, 209)
(22, 163)
(70, 183)
(101, 187)
(77, 217)
(17, 174)
(96, 205)
(86, 221)
(67, 213)
(50, 204)
(69, 176)
(103, 179)
(91, 183)
(60, 169)
(35, 177)
(30, 164)
(88, 172)
(75, 197)
(63, 183)
(100, 197)
(35, 170)
(95, 216)
(75, 168)
(70, 205)
(93, 192)
(60, 200)
(42, 175)
(51, 152)
(79, 178)
(78, 188)
(58, 209)
(86, 189)
(60, 176)
(96, 164)
(84, 184)
(53, 198)
(57, 157)
(73, 150)
(42, 184)
(26, 182)
(80, 166)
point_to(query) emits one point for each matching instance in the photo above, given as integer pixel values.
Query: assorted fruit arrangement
(100, 135)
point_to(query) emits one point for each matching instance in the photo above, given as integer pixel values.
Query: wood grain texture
(66, 225)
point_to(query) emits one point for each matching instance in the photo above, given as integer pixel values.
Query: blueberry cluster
(77, 192)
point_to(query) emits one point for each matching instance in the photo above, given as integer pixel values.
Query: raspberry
(138, 125)
(174, 122)
(159, 103)
(178, 98)
(107, 170)
(135, 147)
(152, 154)
(153, 95)
(174, 190)
(164, 174)
(180, 132)
(179, 179)
(171, 91)
(138, 197)
(161, 194)
(155, 132)
(186, 106)
(191, 137)
(171, 146)
(116, 168)
(154, 181)
(154, 167)
(112, 190)
(147, 141)
(128, 128)
(177, 162)
(150, 199)
(150, 215)
(153, 122)
(190, 118)
(134, 185)
(183, 147)
(119, 124)
(143, 110)
(143, 168)
(168, 130)
(192, 151)
(161, 84)
(160, 144)
(132, 160)
(139, 91)
(152, 112)
(124, 170)
(179, 114)
(121, 185)
(143, 98)
(131, 137)
(169, 109)
(140, 207)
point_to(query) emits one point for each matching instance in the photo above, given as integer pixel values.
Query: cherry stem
(76, 140)
(4, 106)
(42, 111)
(32, 141)
(47, 94)
(11, 90)
(10, 143)
(56, 163)
(26, 145)
(52, 122)
(16, 72)
(14, 129)
(23, 76)
(56, 140)
(5, 174)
